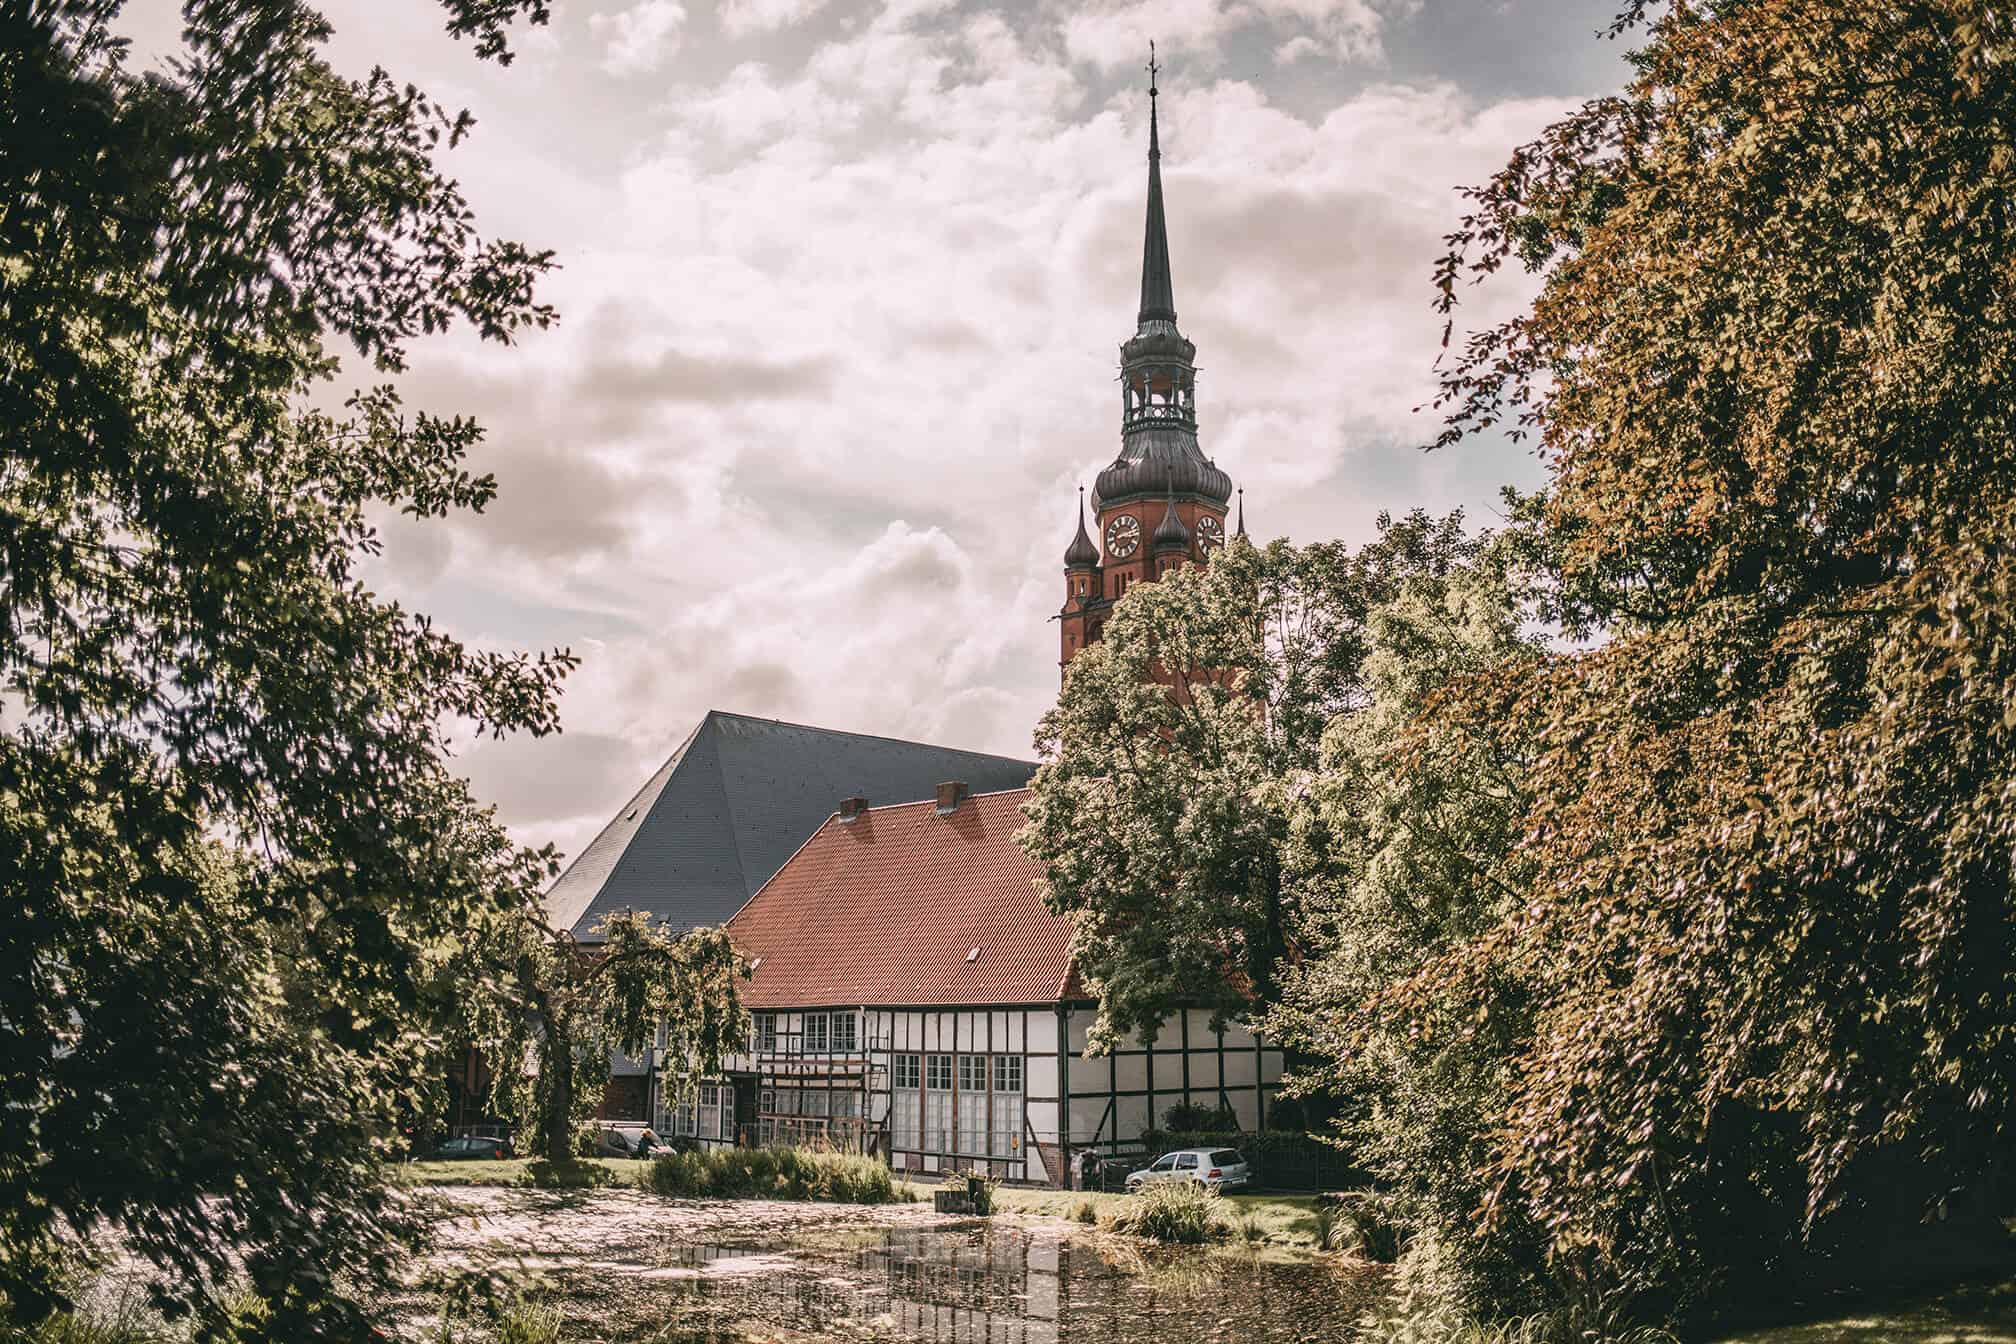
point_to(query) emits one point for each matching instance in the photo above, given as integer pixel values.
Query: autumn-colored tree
(1767, 906)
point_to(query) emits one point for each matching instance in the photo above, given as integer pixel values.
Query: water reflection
(988, 1284)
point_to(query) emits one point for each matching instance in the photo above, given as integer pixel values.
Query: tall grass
(1182, 1212)
(1448, 1326)
(772, 1173)
(1367, 1225)
(521, 1320)
(88, 1327)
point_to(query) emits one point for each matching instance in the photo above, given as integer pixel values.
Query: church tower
(1161, 504)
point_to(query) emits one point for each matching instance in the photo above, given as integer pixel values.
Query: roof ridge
(634, 803)
(933, 802)
(728, 803)
(848, 732)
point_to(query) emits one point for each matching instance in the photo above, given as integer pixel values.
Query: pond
(1013, 1285)
(623, 1267)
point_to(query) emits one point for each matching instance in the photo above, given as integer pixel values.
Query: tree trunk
(557, 1124)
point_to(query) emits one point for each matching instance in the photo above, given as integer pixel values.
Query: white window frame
(764, 1029)
(1008, 1112)
(940, 1122)
(813, 1038)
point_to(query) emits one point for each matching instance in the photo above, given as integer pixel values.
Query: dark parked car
(472, 1147)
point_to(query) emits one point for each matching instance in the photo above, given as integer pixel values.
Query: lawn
(626, 1171)
(1974, 1314)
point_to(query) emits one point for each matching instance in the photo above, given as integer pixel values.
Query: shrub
(1331, 1234)
(1287, 1115)
(1376, 1226)
(1249, 1229)
(981, 1190)
(771, 1173)
(1195, 1117)
(1175, 1211)
(1085, 1211)
(543, 1175)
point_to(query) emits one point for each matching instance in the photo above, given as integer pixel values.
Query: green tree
(235, 867)
(1406, 847)
(557, 1009)
(1163, 803)
(1769, 915)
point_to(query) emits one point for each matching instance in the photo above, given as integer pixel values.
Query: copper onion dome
(1081, 554)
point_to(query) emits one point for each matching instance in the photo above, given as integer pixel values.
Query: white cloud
(1295, 48)
(640, 39)
(838, 340)
(1115, 35)
(740, 18)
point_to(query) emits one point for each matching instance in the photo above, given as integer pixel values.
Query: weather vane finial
(1153, 69)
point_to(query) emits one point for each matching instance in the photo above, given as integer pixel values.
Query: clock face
(1210, 533)
(1123, 536)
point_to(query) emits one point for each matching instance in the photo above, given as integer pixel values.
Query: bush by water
(1176, 1211)
(772, 1173)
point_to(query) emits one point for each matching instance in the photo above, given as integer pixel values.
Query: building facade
(914, 998)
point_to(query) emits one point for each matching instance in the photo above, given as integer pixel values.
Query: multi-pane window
(972, 1137)
(836, 1033)
(685, 1116)
(1005, 1139)
(814, 1103)
(766, 1031)
(938, 1103)
(710, 1111)
(906, 1108)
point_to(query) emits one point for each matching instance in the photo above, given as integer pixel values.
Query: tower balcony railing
(1160, 413)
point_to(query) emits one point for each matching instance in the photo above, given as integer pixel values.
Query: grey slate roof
(736, 800)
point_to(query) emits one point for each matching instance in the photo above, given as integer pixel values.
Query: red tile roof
(884, 910)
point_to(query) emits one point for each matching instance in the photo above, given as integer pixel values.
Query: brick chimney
(851, 809)
(950, 795)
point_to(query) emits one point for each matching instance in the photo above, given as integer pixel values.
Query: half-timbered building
(913, 997)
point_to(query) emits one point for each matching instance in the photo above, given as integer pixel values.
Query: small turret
(1242, 513)
(1081, 554)
(1170, 533)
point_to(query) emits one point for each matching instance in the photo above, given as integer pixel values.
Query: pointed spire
(1170, 534)
(1158, 297)
(1242, 513)
(1081, 554)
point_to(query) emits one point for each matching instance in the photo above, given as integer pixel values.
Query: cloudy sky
(842, 287)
